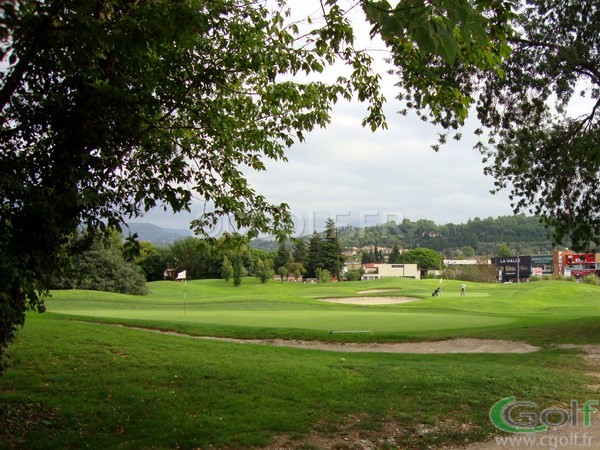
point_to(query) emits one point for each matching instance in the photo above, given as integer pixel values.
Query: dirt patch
(19, 419)
(591, 353)
(352, 434)
(447, 346)
(370, 300)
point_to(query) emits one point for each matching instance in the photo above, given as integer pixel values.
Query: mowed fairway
(274, 309)
(76, 381)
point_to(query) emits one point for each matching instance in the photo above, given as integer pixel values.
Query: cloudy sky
(364, 178)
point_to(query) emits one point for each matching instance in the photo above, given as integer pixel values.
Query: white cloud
(348, 168)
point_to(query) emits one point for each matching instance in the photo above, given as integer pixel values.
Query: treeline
(111, 263)
(320, 257)
(425, 258)
(114, 264)
(519, 232)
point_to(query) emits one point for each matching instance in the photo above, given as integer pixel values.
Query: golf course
(204, 364)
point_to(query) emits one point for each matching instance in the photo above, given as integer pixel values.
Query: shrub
(592, 279)
(104, 269)
(237, 270)
(227, 269)
(323, 275)
(479, 273)
(540, 277)
(352, 275)
(264, 270)
(569, 278)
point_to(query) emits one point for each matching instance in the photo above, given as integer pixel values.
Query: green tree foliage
(592, 279)
(367, 257)
(283, 256)
(300, 251)
(425, 258)
(191, 254)
(264, 270)
(503, 250)
(332, 257)
(101, 267)
(394, 254)
(468, 251)
(315, 259)
(477, 233)
(323, 275)
(152, 261)
(352, 275)
(296, 269)
(226, 269)
(436, 45)
(110, 108)
(283, 272)
(377, 254)
(204, 258)
(519, 64)
(549, 159)
(238, 269)
(104, 269)
(477, 273)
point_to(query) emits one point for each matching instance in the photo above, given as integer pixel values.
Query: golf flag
(182, 275)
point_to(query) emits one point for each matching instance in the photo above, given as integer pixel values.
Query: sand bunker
(376, 291)
(447, 346)
(370, 300)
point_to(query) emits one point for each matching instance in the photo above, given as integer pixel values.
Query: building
(373, 271)
(351, 266)
(580, 264)
(351, 251)
(542, 265)
(559, 263)
(512, 268)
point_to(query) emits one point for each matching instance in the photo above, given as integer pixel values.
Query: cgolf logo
(520, 417)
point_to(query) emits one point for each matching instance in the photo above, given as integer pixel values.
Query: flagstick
(184, 296)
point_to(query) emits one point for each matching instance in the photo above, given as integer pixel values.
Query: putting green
(389, 321)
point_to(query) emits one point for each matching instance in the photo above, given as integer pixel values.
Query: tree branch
(588, 68)
(19, 70)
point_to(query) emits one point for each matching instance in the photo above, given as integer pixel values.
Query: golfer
(462, 289)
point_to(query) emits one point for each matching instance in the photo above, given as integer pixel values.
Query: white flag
(182, 275)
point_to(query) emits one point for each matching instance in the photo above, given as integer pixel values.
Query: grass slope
(540, 312)
(76, 384)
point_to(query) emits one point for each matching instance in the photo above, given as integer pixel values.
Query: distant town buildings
(559, 263)
(373, 271)
(508, 268)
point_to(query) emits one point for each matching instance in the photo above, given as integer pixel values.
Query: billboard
(581, 258)
(541, 260)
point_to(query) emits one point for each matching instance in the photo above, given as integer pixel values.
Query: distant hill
(526, 234)
(157, 235)
(264, 244)
(519, 233)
